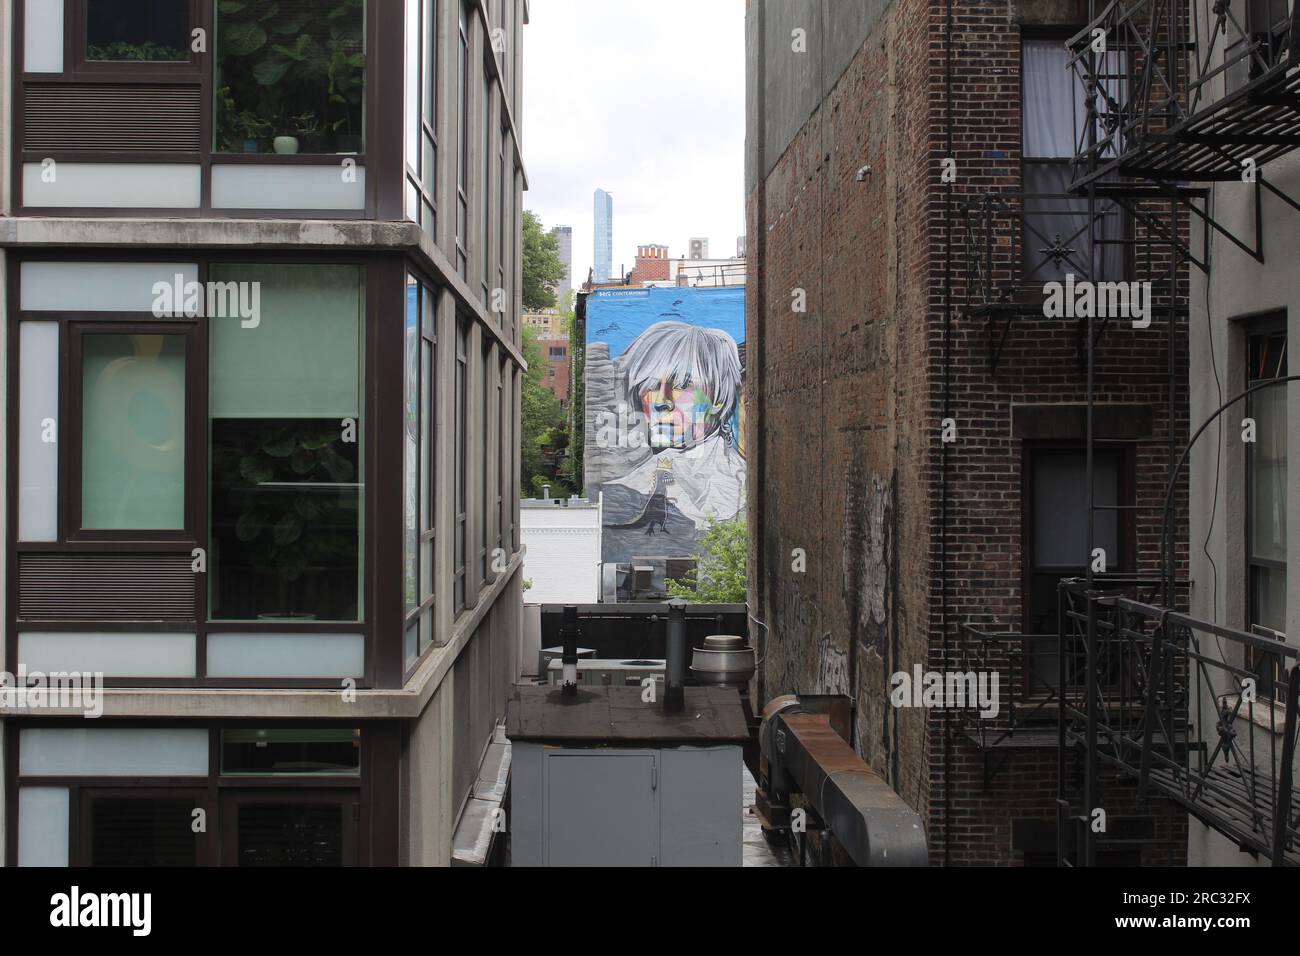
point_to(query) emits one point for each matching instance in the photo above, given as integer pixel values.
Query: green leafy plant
(287, 62)
(135, 52)
(285, 529)
(720, 573)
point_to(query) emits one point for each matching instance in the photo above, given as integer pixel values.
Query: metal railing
(1167, 698)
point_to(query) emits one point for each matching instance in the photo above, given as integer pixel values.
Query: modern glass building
(262, 380)
(603, 233)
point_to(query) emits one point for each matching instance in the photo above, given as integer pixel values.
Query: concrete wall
(1237, 289)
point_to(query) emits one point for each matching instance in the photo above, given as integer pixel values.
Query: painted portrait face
(678, 417)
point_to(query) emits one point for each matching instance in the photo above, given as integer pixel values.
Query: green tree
(543, 268)
(720, 573)
(543, 423)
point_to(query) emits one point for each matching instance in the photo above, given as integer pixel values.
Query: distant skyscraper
(564, 237)
(603, 254)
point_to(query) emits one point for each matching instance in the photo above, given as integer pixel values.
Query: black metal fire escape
(1178, 95)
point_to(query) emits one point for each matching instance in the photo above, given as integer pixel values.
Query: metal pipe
(569, 634)
(873, 824)
(675, 665)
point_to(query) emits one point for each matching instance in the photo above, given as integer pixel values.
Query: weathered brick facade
(905, 538)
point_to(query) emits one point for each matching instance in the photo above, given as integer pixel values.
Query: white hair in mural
(686, 356)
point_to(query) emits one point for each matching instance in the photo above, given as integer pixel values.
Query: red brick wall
(852, 396)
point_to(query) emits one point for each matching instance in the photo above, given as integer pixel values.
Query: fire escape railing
(1014, 243)
(1185, 90)
(1202, 714)
(1026, 686)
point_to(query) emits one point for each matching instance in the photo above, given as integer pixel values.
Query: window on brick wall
(1054, 532)
(1057, 235)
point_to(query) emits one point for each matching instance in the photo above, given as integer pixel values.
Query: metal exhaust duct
(675, 665)
(569, 635)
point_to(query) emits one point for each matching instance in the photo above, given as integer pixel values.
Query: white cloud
(646, 101)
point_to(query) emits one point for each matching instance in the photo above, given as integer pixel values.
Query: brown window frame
(1031, 451)
(1022, 271)
(77, 13)
(71, 473)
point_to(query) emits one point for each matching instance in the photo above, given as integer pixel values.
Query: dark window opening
(1266, 504)
(291, 76)
(290, 834)
(139, 31)
(286, 521)
(277, 752)
(142, 831)
(1055, 535)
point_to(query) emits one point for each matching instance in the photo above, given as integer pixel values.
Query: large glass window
(137, 30)
(1055, 231)
(292, 751)
(133, 432)
(1058, 546)
(291, 76)
(486, 498)
(144, 828)
(485, 189)
(411, 433)
(286, 482)
(1266, 483)
(462, 451)
(418, 530)
(462, 143)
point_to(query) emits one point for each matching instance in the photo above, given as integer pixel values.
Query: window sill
(1265, 714)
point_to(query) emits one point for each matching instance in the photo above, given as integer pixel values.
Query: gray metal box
(596, 806)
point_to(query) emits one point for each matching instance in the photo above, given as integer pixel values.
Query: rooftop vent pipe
(675, 665)
(569, 634)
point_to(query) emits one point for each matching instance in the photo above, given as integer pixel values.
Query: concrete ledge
(205, 235)
(471, 844)
(211, 703)
(72, 233)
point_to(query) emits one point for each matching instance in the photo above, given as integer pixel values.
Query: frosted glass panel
(38, 412)
(43, 826)
(115, 186)
(43, 36)
(98, 286)
(288, 187)
(303, 357)
(133, 432)
(286, 655)
(113, 752)
(112, 654)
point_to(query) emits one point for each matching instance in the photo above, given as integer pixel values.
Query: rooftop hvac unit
(598, 672)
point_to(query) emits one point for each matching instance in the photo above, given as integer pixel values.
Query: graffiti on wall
(664, 416)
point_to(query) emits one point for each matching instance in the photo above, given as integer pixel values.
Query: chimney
(569, 634)
(675, 665)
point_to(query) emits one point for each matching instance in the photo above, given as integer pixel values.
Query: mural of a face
(678, 417)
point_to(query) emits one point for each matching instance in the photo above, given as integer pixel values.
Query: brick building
(556, 353)
(894, 297)
(652, 264)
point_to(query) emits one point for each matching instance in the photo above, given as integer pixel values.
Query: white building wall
(1237, 289)
(562, 553)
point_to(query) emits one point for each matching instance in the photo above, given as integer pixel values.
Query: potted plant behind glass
(280, 483)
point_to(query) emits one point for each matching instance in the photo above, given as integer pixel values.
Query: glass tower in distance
(603, 254)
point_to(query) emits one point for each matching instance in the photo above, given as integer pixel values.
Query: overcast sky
(645, 100)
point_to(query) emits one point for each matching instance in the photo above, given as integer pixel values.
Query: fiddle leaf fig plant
(284, 62)
(281, 480)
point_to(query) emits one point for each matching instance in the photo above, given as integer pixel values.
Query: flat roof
(617, 715)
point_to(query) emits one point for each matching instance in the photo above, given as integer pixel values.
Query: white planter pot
(286, 144)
